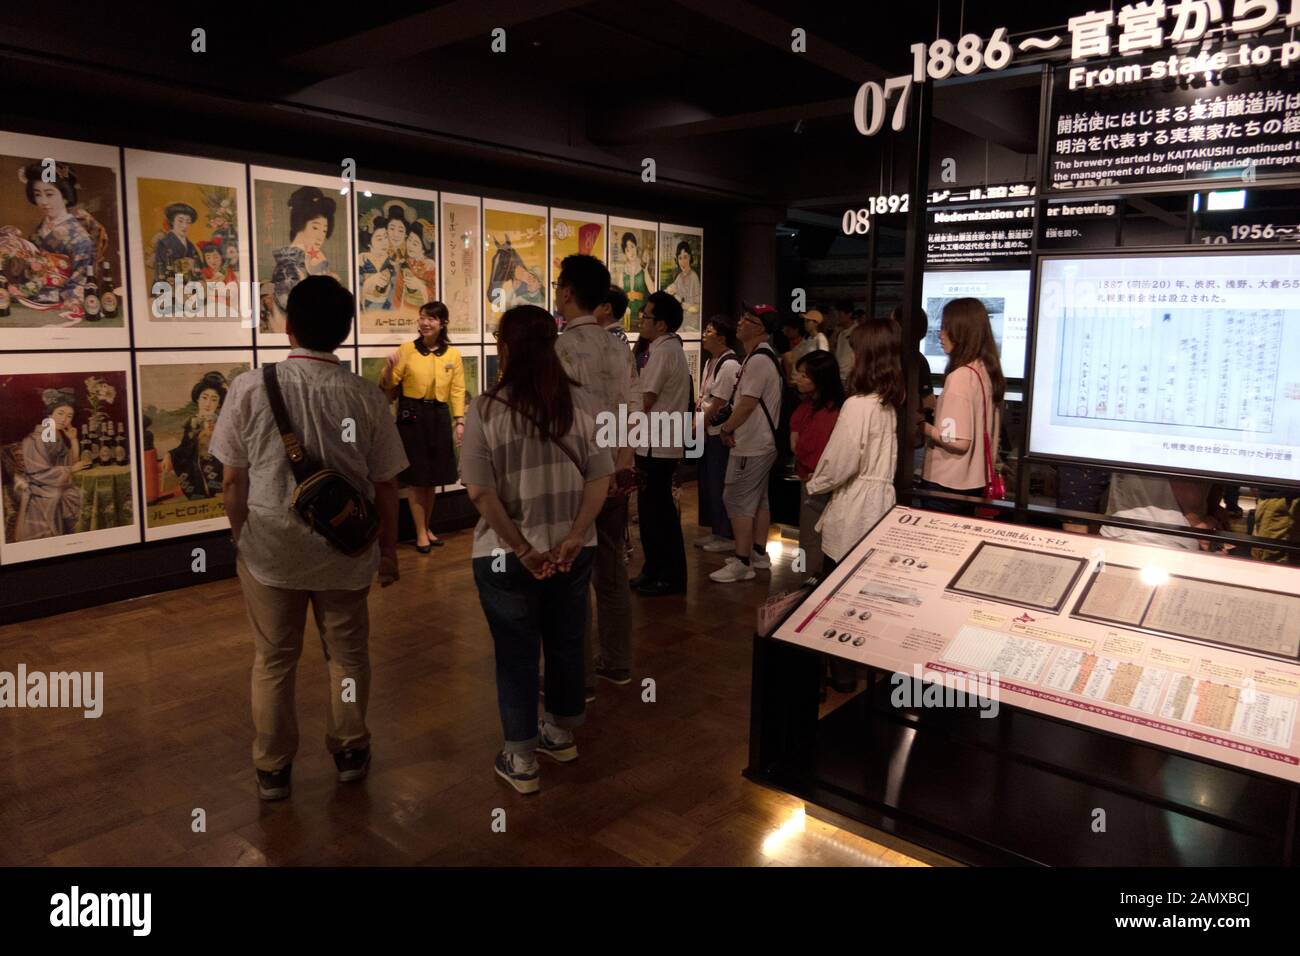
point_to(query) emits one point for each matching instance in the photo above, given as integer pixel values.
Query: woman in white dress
(857, 467)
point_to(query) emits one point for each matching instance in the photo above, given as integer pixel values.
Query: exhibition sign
(1180, 649)
(971, 235)
(1182, 362)
(1136, 29)
(1240, 124)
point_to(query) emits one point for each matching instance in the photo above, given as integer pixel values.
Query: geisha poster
(462, 266)
(514, 255)
(62, 268)
(633, 264)
(300, 228)
(681, 258)
(181, 398)
(397, 259)
(67, 449)
(575, 233)
(188, 251)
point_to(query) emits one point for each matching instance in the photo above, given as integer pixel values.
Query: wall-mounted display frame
(576, 233)
(67, 454)
(681, 272)
(62, 245)
(302, 226)
(634, 263)
(397, 268)
(181, 399)
(462, 265)
(188, 217)
(515, 254)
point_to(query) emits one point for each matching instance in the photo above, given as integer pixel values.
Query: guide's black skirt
(425, 427)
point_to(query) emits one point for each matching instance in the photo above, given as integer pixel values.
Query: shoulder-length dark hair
(438, 311)
(878, 363)
(967, 323)
(531, 372)
(824, 371)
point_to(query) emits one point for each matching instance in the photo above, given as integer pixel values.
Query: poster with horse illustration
(514, 255)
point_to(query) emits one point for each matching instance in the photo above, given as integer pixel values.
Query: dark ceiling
(584, 92)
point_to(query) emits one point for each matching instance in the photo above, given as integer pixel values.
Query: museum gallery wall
(136, 286)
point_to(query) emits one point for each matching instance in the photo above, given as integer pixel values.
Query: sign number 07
(869, 105)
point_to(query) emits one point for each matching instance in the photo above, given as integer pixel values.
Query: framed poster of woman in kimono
(181, 399)
(462, 267)
(681, 257)
(301, 228)
(188, 251)
(62, 261)
(633, 246)
(397, 259)
(515, 252)
(67, 445)
(575, 233)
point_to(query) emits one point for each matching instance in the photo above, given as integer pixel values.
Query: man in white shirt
(665, 393)
(751, 434)
(843, 316)
(603, 367)
(343, 423)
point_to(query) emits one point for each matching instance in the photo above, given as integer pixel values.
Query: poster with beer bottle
(182, 395)
(61, 225)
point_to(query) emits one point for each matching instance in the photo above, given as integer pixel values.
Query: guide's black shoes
(274, 784)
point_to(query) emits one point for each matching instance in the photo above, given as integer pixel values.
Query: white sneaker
(705, 541)
(763, 563)
(734, 570)
(719, 545)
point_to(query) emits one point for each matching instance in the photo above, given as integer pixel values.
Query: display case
(1032, 696)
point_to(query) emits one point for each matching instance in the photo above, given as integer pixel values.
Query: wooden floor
(656, 784)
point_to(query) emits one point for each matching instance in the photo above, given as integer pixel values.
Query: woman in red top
(817, 377)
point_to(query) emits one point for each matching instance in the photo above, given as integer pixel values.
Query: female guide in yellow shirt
(427, 377)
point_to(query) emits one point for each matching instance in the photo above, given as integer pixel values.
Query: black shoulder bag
(330, 504)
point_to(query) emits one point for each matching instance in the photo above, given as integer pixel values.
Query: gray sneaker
(512, 769)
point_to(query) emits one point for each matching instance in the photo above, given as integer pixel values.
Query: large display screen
(1005, 294)
(1181, 362)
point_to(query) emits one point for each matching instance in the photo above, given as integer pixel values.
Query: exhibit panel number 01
(936, 61)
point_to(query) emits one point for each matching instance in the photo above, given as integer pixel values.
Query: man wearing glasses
(750, 432)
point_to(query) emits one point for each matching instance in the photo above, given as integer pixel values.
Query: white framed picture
(62, 245)
(462, 266)
(67, 449)
(188, 251)
(181, 397)
(515, 253)
(681, 265)
(634, 264)
(397, 268)
(301, 226)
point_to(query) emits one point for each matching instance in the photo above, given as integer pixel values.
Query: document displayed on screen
(1184, 362)
(1005, 294)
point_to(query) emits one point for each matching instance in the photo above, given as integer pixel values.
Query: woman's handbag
(994, 488)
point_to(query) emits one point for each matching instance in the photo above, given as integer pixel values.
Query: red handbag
(995, 488)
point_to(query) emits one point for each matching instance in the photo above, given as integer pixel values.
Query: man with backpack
(311, 456)
(751, 433)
